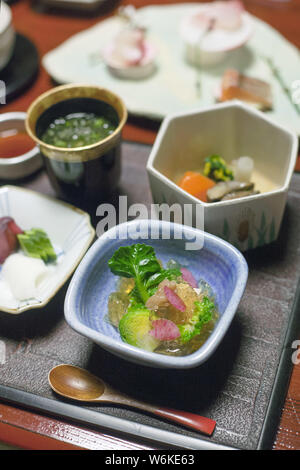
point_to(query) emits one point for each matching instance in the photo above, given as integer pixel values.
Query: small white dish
(212, 47)
(23, 165)
(7, 35)
(134, 72)
(68, 228)
(175, 85)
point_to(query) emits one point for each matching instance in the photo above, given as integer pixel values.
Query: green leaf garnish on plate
(140, 263)
(36, 244)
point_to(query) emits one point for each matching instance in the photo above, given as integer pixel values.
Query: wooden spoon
(79, 384)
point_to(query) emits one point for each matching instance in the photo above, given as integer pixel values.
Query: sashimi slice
(252, 90)
(8, 237)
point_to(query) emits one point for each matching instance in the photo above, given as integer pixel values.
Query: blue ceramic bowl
(221, 265)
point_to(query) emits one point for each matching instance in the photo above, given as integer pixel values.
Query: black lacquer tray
(22, 69)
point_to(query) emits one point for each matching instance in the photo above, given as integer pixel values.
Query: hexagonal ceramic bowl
(229, 130)
(217, 262)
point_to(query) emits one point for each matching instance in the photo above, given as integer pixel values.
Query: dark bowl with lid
(89, 172)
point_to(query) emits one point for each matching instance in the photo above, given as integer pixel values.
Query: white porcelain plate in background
(174, 87)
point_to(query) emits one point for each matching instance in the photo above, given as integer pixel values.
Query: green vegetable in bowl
(140, 263)
(155, 308)
(36, 244)
(215, 168)
(202, 314)
(78, 130)
(135, 326)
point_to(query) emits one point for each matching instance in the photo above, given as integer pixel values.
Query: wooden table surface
(47, 29)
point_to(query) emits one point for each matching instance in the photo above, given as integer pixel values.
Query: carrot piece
(196, 184)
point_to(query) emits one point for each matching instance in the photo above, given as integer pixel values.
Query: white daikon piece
(243, 169)
(23, 275)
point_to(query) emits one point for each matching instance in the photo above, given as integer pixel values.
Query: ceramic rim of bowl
(23, 157)
(65, 92)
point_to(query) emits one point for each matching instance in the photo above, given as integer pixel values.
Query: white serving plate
(174, 87)
(68, 228)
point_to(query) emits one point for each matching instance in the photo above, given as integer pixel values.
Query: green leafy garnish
(202, 314)
(36, 244)
(140, 263)
(215, 168)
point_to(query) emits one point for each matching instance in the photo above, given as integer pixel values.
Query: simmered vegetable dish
(220, 181)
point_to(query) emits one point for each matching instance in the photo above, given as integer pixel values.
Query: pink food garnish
(188, 277)
(228, 14)
(128, 49)
(164, 330)
(8, 237)
(174, 299)
(223, 14)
